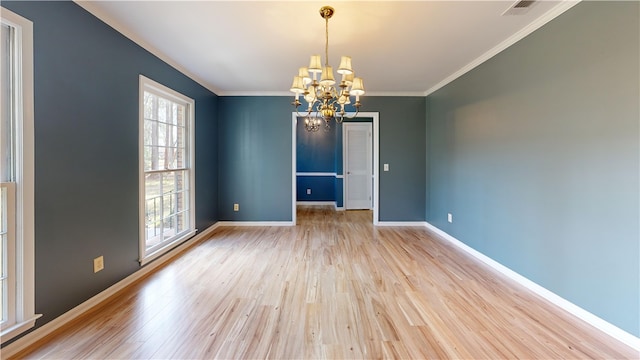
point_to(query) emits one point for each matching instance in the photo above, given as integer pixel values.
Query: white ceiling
(255, 48)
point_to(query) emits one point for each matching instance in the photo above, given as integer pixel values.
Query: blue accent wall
(86, 151)
(316, 152)
(323, 188)
(536, 154)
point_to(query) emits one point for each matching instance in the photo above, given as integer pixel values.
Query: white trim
(25, 315)
(55, 324)
(563, 6)
(289, 94)
(254, 223)
(550, 296)
(316, 174)
(402, 223)
(376, 165)
(294, 178)
(316, 203)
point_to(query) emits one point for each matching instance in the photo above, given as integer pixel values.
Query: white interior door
(357, 165)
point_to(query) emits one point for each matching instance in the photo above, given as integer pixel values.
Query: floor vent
(520, 7)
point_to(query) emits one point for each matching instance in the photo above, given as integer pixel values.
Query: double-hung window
(16, 177)
(167, 198)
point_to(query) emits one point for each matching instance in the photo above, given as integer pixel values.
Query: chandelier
(324, 97)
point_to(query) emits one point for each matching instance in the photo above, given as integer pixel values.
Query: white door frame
(376, 162)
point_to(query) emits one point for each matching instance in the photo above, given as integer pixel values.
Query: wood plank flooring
(332, 287)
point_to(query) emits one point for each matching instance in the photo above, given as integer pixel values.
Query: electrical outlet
(308, 191)
(98, 264)
(450, 217)
(236, 207)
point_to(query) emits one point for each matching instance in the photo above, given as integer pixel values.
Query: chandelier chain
(326, 41)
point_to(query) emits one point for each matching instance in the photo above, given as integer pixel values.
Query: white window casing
(20, 304)
(167, 173)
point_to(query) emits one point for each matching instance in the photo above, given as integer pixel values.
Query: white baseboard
(402, 223)
(316, 203)
(593, 320)
(255, 223)
(53, 325)
(321, 203)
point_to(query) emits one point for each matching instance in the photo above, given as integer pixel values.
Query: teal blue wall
(255, 158)
(536, 154)
(86, 151)
(402, 144)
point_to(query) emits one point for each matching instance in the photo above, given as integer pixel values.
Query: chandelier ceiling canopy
(324, 96)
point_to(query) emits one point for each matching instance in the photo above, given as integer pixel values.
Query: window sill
(156, 254)
(17, 329)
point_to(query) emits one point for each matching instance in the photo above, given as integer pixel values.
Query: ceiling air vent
(519, 7)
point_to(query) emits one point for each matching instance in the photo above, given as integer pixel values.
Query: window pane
(169, 227)
(165, 132)
(182, 219)
(6, 125)
(163, 108)
(149, 101)
(3, 231)
(181, 115)
(162, 134)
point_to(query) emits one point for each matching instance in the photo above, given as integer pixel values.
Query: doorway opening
(371, 118)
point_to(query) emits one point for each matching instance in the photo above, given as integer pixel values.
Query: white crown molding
(538, 23)
(255, 93)
(555, 299)
(288, 93)
(394, 93)
(90, 7)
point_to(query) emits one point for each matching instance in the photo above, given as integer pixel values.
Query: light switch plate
(386, 167)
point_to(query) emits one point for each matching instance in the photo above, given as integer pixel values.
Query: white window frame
(22, 305)
(147, 84)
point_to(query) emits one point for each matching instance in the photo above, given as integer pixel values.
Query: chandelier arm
(354, 115)
(298, 114)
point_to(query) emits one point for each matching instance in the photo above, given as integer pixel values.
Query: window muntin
(167, 168)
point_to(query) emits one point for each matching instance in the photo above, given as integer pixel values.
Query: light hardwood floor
(332, 287)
